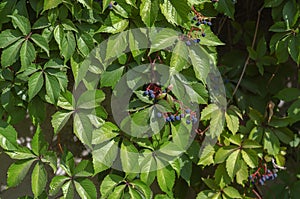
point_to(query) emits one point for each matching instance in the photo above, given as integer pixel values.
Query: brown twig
(248, 57)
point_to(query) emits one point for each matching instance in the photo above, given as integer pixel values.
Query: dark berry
(182, 115)
(172, 117)
(194, 120)
(168, 119)
(203, 34)
(188, 43)
(188, 121)
(110, 6)
(164, 91)
(250, 177)
(261, 182)
(196, 40)
(146, 93)
(263, 178)
(152, 96)
(159, 114)
(177, 117)
(204, 22)
(187, 111)
(275, 175)
(115, 3)
(151, 92)
(267, 177)
(198, 23)
(209, 23)
(195, 18)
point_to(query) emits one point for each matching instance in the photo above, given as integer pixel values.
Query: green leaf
(59, 120)
(35, 84)
(175, 11)
(39, 146)
(271, 142)
(232, 122)
(118, 192)
(166, 179)
(68, 189)
(232, 192)
(288, 94)
(21, 153)
(17, 171)
(68, 45)
(232, 163)
(85, 188)
(134, 194)
(22, 23)
(290, 13)
(37, 110)
(201, 61)
(116, 45)
(149, 166)
(179, 59)
(226, 7)
(85, 43)
(49, 4)
(250, 144)
(38, 179)
(90, 99)
(113, 24)
(294, 49)
(109, 183)
(110, 78)
(273, 3)
(142, 188)
(242, 175)
(161, 39)
(106, 154)
(41, 42)
(206, 157)
(56, 184)
(8, 136)
(223, 153)
(281, 50)
(149, 11)
(87, 3)
(210, 183)
(221, 176)
(129, 152)
(52, 88)
(250, 157)
(27, 54)
(8, 37)
(279, 26)
(11, 54)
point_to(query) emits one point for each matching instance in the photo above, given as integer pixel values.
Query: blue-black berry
(261, 182)
(172, 117)
(182, 115)
(168, 119)
(146, 93)
(204, 22)
(195, 18)
(194, 120)
(203, 34)
(209, 23)
(115, 3)
(188, 43)
(110, 6)
(159, 114)
(198, 23)
(152, 96)
(151, 92)
(177, 117)
(187, 111)
(196, 40)
(188, 121)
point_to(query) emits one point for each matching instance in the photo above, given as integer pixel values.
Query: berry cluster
(111, 5)
(169, 117)
(153, 91)
(214, 1)
(198, 20)
(262, 178)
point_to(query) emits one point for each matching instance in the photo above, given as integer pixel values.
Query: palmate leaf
(41, 42)
(226, 7)
(27, 54)
(109, 183)
(8, 136)
(56, 184)
(22, 23)
(59, 119)
(49, 4)
(233, 163)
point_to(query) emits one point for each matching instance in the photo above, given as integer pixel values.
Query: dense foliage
(49, 67)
